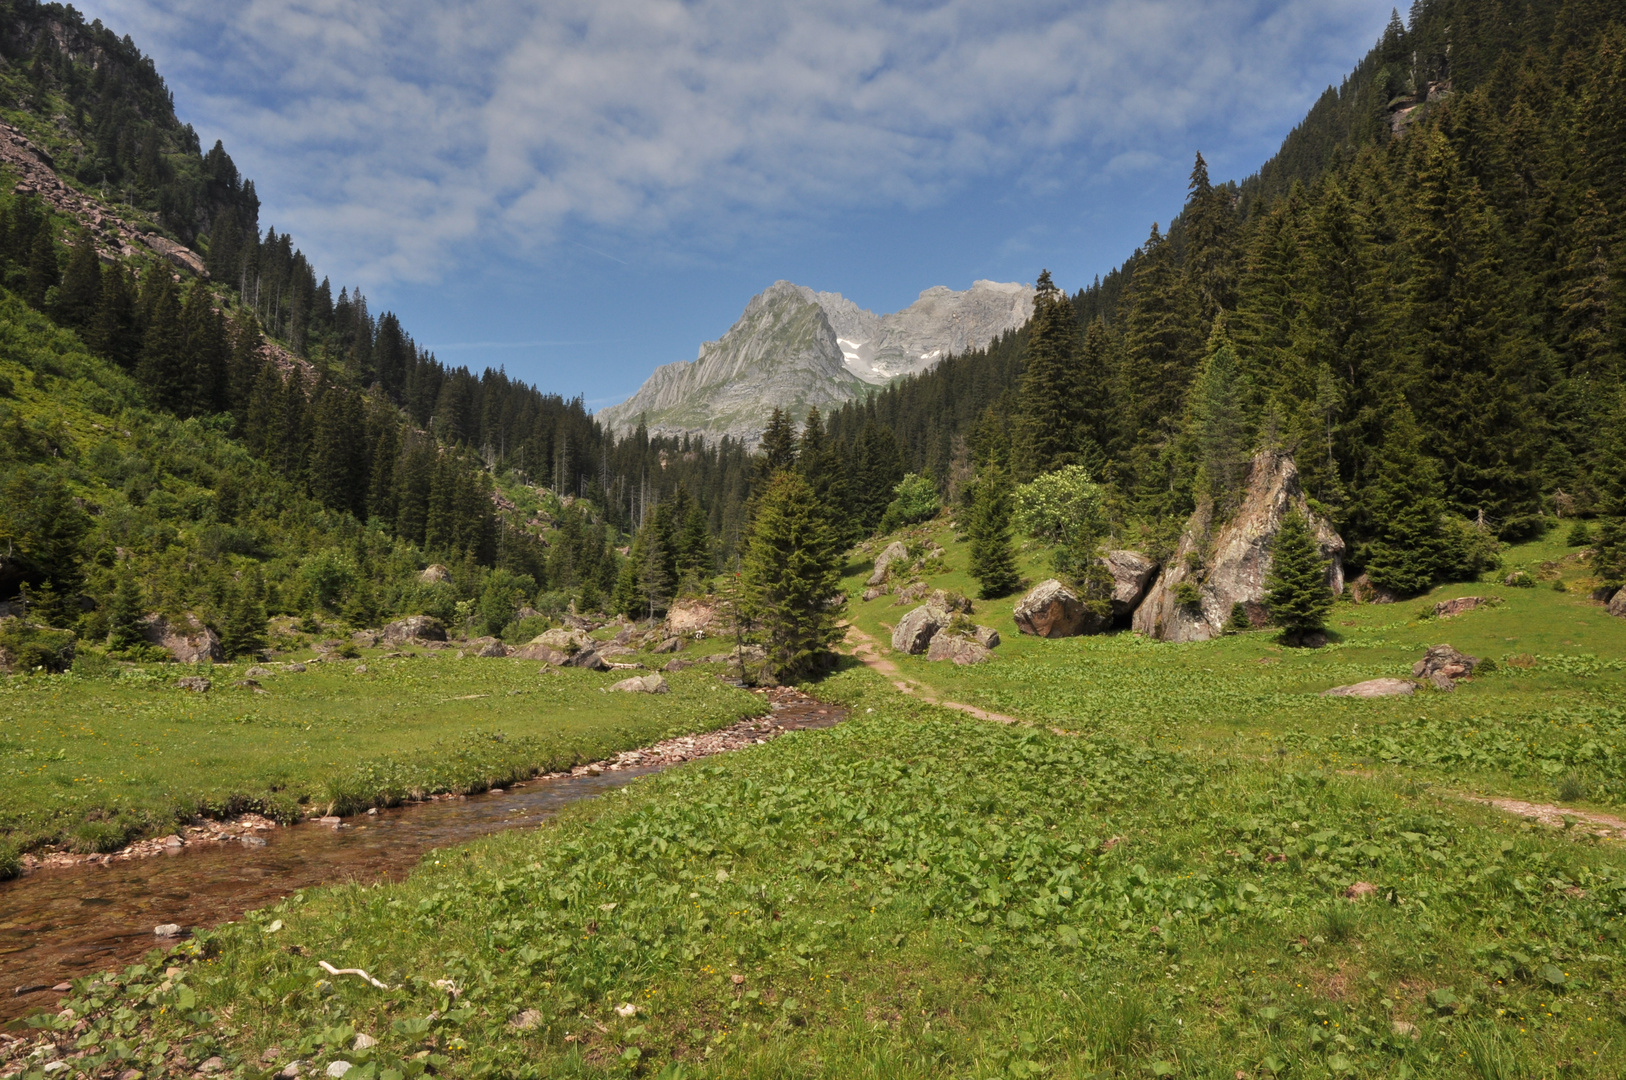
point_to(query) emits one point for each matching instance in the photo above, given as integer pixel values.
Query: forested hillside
(1419, 298)
(236, 433)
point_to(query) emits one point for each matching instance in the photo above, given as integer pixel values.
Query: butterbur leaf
(1553, 976)
(1272, 1064)
(1161, 1068)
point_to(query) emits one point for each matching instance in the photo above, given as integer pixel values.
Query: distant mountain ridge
(797, 349)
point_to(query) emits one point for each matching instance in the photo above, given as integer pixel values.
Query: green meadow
(92, 762)
(1188, 864)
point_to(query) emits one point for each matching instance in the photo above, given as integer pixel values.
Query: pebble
(168, 929)
(252, 841)
(55, 1067)
(212, 1065)
(338, 1068)
(292, 1070)
(330, 820)
(364, 1042)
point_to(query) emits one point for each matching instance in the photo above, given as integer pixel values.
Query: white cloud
(389, 135)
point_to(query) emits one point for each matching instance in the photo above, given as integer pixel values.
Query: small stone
(1360, 890)
(372, 811)
(626, 1010)
(130, 1074)
(251, 841)
(212, 1065)
(173, 841)
(55, 1067)
(271, 1054)
(197, 684)
(296, 666)
(330, 819)
(168, 929)
(738, 980)
(526, 1020)
(361, 669)
(364, 1042)
(645, 684)
(62, 987)
(338, 1068)
(292, 1071)
(257, 672)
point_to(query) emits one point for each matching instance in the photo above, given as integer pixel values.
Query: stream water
(56, 924)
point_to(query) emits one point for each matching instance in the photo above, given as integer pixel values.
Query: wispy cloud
(391, 136)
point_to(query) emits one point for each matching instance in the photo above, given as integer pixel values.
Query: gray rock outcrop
(1132, 574)
(895, 552)
(1229, 562)
(915, 630)
(434, 573)
(1617, 604)
(414, 628)
(1442, 666)
(1052, 610)
(186, 640)
(563, 639)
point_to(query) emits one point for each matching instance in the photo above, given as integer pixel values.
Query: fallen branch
(331, 970)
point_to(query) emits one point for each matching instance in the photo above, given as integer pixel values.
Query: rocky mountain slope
(797, 349)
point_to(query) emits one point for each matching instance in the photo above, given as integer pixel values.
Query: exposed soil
(1559, 817)
(868, 652)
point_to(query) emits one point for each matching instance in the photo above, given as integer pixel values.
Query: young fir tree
(1404, 502)
(125, 613)
(791, 575)
(81, 290)
(993, 563)
(44, 272)
(1049, 423)
(1299, 599)
(245, 631)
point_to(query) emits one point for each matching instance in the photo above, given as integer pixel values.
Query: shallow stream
(57, 924)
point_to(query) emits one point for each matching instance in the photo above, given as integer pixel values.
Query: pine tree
(1299, 599)
(244, 633)
(1209, 262)
(80, 293)
(114, 330)
(163, 368)
(778, 449)
(791, 576)
(44, 272)
(1049, 424)
(1219, 421)
(125, 613)
(1405, 502)
(993, 563)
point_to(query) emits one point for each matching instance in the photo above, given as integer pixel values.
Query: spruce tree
(113, 331)
(80, 293)
(778, 449)
(993, 563)
(244, 633)
(792, 578)
(1049, 424)
(125, 613)
(163, 369)
(44, 272)
(1299, 599)
(1404, 503)
(1219, 422)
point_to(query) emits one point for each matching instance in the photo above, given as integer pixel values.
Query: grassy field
(1208, 872)
(92, 762)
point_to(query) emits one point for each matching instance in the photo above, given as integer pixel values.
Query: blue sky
(580, 190)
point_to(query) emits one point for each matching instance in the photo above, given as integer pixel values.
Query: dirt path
(1558, 817)
(868, 653)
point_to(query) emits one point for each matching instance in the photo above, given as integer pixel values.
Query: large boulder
(962, 649)
(916, 629)
(540, 652)
(689, 618)
(1373, 688)
(1052, 610)
(186, 639)
(434, 574)
(1229, 562)
(642, 684)
(1447, 609)
(1442, 666)
(1617, 605)
(414, 628)
(564, 639)
(895, 552)
(1364, 591)
(1132, 574)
